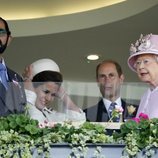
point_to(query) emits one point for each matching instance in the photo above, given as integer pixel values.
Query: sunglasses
(3, 32)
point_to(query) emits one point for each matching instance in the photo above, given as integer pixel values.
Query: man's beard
(3, 46)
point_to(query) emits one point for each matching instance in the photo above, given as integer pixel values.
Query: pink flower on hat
(141, 44)
(145, 45)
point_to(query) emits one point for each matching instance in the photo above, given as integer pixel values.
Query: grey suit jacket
(12, 100)
(98, 112)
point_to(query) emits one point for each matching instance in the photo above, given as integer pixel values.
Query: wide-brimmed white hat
(44, 65)
(147, 44)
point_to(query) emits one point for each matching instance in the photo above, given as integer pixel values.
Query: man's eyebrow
(112, 73)
(1, 29)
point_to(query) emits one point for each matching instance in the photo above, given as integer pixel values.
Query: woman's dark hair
(6, 26)
(47, 76)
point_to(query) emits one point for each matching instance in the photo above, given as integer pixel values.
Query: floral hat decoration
(147, 44)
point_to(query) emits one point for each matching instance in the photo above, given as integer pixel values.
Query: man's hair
(47, 76)
(6, 26)
(118, 67)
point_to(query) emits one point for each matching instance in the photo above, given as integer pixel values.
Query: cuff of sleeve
(81, 111)
(30, 96)
(76, 116)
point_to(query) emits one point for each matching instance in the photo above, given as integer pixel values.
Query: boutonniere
(15, 82)
(116, 114)
(131, 109)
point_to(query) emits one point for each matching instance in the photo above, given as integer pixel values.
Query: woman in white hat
(42, 84)
(144, 61)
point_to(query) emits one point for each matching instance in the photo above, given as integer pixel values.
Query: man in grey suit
(12, 96)
(109, 77)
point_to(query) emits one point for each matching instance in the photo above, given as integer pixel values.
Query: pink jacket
(149, 103)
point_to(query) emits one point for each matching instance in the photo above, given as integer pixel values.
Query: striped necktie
(3, 76)
(111, 108)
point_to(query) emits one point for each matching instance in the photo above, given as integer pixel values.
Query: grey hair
(156, 57)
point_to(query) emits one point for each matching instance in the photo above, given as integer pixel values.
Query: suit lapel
(2, 92)
(10, 75)
(123, 104)
(12, 99)
(2, 88)
(102, 114)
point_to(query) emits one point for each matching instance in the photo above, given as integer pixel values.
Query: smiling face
(109, 81)
(46, 94)
(147, 69)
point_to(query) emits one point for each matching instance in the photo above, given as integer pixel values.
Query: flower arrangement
(139, 134)
(20, 136)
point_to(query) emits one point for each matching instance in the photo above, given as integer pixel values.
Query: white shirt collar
(3, 62)
(108, 102)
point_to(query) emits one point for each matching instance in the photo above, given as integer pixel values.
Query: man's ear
(122, 77)
(97, 82)
(9, 39)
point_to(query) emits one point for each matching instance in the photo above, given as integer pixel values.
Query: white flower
(145, 45)
(119, 109)
(131, 109)
(133, 49)
(141, 44)
(16, 83)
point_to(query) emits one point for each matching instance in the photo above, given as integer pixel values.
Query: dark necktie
(3, 76)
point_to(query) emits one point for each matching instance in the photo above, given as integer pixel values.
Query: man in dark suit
(12, 96)
(109, 77)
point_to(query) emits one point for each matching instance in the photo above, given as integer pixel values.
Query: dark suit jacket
(12, 100)
(98, 112)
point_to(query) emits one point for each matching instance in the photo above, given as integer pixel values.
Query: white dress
(48, 115)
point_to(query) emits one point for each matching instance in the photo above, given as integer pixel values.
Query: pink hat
(147, 44)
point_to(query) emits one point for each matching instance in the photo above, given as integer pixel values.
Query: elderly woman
(144, 61)
(42, 84)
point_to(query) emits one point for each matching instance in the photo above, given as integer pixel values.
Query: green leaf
(131, 124)
(4, 125)
(13, 124)
(144, 124)
(32, 129)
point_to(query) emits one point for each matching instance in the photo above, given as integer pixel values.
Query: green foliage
(20, 135)
(20, 123)
(140, 135)
(96, 127)
(23, 135)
